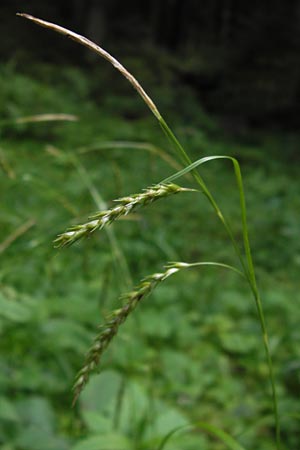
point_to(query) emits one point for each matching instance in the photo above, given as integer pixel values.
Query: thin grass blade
(249, 271)
(40, 118)
(228, 440)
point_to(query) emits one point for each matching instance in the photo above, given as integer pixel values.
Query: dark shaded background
(241, 58)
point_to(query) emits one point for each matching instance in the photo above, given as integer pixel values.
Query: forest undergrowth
(192, 352)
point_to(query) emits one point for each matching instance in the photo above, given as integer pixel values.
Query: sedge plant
(161, 190)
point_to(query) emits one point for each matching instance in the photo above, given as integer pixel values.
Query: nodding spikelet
(125, 206)
(110, 328)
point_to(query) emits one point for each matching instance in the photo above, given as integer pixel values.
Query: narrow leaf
(230, 442)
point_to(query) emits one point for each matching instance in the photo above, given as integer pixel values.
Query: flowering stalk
(126, 206)
(110, 328)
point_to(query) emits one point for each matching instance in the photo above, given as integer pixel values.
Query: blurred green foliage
(192, 352)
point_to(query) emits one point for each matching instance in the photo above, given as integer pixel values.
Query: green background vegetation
(192, 351)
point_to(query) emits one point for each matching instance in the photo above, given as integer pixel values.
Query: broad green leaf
(38, 412)
(235, 342)
(34, 438)
(167, 420)
(64, 333)
(101, 392)
(110, 441)
(8, 410)
(14, 310)
(96, 422)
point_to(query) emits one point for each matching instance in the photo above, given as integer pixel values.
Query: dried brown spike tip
(96, 48)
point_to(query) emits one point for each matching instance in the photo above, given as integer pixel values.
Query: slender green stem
(247, 268)
(258, 302)
(199, 180)
(270, 366)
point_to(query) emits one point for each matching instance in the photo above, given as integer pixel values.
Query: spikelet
(110, 328)
(126, 205)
